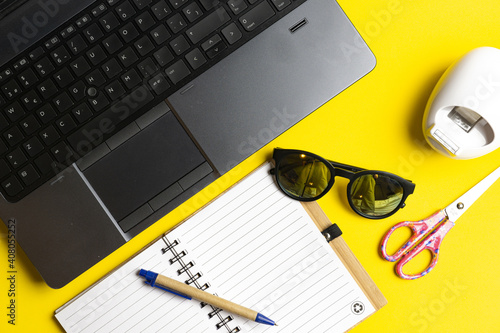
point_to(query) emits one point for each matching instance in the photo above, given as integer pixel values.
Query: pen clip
(151, 283)
(151, 280)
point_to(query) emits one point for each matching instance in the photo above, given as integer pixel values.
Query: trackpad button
(144, 166)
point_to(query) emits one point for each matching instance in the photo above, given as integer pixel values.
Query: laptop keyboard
(106, 67)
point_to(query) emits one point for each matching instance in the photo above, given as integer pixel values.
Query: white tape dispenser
(462, 117)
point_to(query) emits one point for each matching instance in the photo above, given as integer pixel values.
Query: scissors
(428, 234)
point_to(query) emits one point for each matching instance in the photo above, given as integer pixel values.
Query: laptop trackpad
(145, 165)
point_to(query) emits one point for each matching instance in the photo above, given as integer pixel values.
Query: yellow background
(374, 124)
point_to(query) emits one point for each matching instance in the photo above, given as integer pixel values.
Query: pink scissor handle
(419, 230)
(432, 243)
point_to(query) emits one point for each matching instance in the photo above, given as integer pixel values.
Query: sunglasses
(306, 177)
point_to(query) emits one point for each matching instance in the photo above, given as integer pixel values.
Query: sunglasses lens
(376, 195)
(303, 176)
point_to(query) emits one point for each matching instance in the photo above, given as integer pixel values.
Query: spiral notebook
(251, 245)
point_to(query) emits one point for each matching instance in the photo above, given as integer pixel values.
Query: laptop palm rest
(131, 175)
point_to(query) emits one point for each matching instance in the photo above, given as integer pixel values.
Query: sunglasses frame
(345, 171)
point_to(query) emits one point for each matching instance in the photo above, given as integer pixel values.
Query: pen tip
(275, 324)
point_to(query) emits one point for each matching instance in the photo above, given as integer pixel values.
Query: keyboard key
(99, 102)
(142, 3)
(78, 91)
(131, 79)
(83, 21)
(44, 67)
(63, 154)
(28, 175)
(111, 68)
(112, 44)
(82, 113)
(13, 136)
(11, 89)
(63, 78)
(5, 74)
(65, 124)
(96, 55)
(160, 34)
(30, 125)
(208, 25)
(128, 32)
(27, 78)
(109, 22)
(31, 100)
(161, 10)
(93, 33)
(4, 169)
(95, 78)
(176, 23)
(3, 148)
(147, 67)
(80, 66)
(192, 11)
(14, 111)
(107, 122)
(256, 16)
(231, 33)
(60, 55)
(49, 136)
(46, 113)
(125, 11)
(159, 84)
(281, 4)
(20, 64)
(12, 186)
(195, 58)
(144, 45)
(16, 158)
(211, 42)
(217, 49)
(63, 102)
(33, 147)
(47, 89)
(209, 4)
(45, 164)
(237, 6)
(3, 123)
(177, 3)
(77, 44)
(68, 31)
(127, 57)
(52, 42)
(179, 45)
(114, 90)
(98, 10)
(177, 71)
(36, 53)
(163, 56)
(145, 21)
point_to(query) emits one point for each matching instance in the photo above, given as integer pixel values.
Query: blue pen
(186, 291)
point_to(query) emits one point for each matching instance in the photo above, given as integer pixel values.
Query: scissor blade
(459, 206)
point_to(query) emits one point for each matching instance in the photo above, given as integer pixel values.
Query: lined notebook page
(260, 249)
(256, 247)
(122, 302)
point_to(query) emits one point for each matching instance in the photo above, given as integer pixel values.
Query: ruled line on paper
(244, 192)
(212, 226)
(264, 233)
(99, 295)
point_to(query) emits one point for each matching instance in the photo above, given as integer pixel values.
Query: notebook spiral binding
(177, 256)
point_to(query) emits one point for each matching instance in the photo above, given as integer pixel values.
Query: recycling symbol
(357, 308)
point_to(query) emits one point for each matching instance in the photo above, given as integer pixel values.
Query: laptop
(114, 112)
